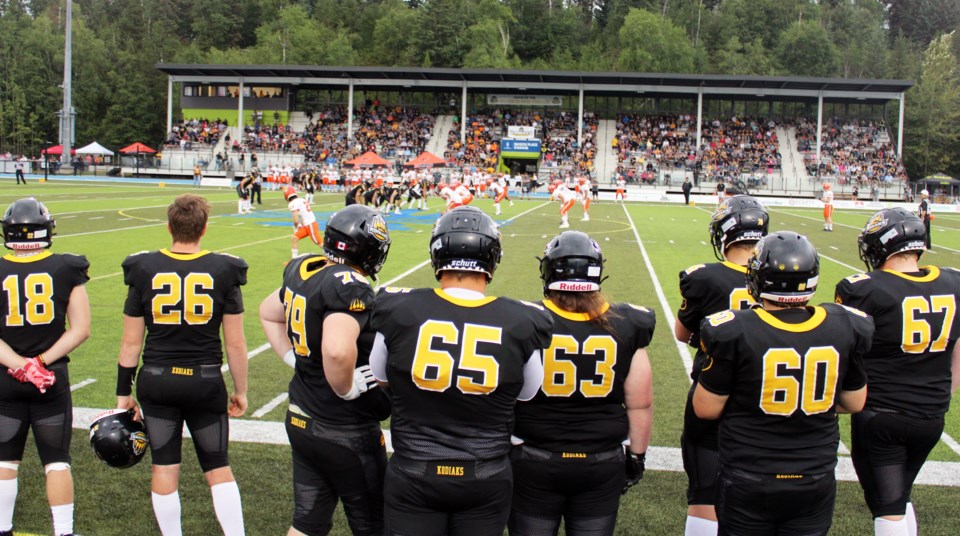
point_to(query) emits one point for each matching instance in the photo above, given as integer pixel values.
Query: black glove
(635, 465)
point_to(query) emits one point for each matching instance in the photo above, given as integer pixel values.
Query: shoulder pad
(856, 278)
(720, 318)
(855, 311)
(640, 308)
(694, 268)
(531, 304)
(394, 290)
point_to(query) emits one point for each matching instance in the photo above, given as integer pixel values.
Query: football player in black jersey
(356, 195)
(735, 228)
(180, 298)
(456, 362)
(41, 292)
(597, 391)
(909, 365)
(319, 322)
(776, 375)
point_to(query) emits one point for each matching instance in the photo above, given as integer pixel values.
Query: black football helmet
(784, 269)
(27, 224)
(738, 218)
(117, 439)
(890, 231)
(572, 262)
(357, 235)
(467, 240)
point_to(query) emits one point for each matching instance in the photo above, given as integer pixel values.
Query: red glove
(34, 372)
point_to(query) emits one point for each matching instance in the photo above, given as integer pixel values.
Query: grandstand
(652, 129)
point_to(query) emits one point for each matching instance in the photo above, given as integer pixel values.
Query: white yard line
(81, 385)
(667, 311)
(270, 406)
(950, 442)
(250, 355)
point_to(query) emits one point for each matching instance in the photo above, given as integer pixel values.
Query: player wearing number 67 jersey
(909, 365)
(456, 362)
(775, 376)
(181, 297)
(319, 320)
(597, 391)
(41, 291)
(735, 228)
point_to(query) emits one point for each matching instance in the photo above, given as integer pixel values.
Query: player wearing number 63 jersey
(456, 362)
(40, 292)
(319, 321)
(909, 365)
(597, 391)
(775, 376)
(181, 297)
(735, 228)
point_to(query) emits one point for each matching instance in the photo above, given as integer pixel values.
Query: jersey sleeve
(643, 321)
(235, 277)
(78, 267)
(133, 306)
(347, 292)
(862, 329)
(718, 340)
(850, 291)
(691, 292)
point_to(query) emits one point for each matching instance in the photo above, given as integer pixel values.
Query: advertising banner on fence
(521, 133)
(525, 100)
(520, 146)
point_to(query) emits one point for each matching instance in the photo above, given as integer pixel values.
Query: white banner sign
(525, 100)
(521, 133)
(215, 181)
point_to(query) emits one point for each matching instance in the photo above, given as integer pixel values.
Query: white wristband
(290, 358)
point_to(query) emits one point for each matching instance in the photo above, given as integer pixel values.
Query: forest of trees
(120, 96)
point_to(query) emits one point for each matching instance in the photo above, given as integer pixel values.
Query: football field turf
(646, 246)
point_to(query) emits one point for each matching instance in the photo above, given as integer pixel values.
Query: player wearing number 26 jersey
(597, 391)
(181, 297)
(913, 365)
(456, 362)
(775, 376)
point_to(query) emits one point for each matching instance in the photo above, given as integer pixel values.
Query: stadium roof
(411, 78)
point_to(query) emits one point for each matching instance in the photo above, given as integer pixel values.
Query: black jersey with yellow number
(34, 296)
(783, 371)
(313, 289)
(917, 327)
(580, 406)
(455, 369)
(707, 289)
(182, 299)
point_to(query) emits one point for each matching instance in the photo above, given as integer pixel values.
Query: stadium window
(221, 91)
(188, 90)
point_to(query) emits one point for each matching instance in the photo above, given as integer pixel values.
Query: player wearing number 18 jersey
(456, 362)
(909, 365)
(319, 320)
(597, 391)
(775, 376)
(181, 297)
(735, 228)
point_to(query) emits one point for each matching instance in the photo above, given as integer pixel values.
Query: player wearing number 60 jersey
(913, 366)
(735, 228)
(456, 362)
(776, 376)
(597, 391)
(181, 297)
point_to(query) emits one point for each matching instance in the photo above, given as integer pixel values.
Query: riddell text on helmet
(575, 287)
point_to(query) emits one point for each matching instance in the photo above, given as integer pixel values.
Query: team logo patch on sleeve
(357, 306)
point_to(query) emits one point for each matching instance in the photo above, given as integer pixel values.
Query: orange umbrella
(136, 148)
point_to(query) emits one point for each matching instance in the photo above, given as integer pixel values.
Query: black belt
(451, 469)
(186, 371)
(533, 453)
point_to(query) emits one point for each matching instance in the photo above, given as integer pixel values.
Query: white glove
(290, 358)
(363, 381)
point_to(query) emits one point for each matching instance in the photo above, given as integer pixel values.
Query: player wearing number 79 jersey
(909, 365)
(776, 376)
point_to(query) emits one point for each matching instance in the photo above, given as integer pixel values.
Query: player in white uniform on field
(567, 198)
(451, 196)
(827, 207)
(585, 197)
(304, 221)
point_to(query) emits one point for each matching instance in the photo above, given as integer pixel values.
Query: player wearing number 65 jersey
(735, 228)
(181, 297)
(319, 321)
(776, 376)
(909, 365)
(456, 362)
(597, 391)
(40, 292)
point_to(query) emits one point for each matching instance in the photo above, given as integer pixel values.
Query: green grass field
(108, 222)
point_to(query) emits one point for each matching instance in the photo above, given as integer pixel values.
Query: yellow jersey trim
(29, 258)
(464, 303)
(932, 274)
(735, 266)
(819, 315)
(183, 256)
(306, 272)
(576, 317)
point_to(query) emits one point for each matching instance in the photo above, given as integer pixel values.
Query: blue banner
(520, 146)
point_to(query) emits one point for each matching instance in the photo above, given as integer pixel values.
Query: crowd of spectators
(188, 132)
(646, 145)
(560, 147)
(481, 147)
(740, 145)
(851, 152)
(395, 132)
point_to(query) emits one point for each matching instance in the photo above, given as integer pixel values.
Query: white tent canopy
(95, 148)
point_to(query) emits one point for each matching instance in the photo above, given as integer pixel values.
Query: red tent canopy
(426, 160)
(367, 159)
(56, 150)
(136, 148)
